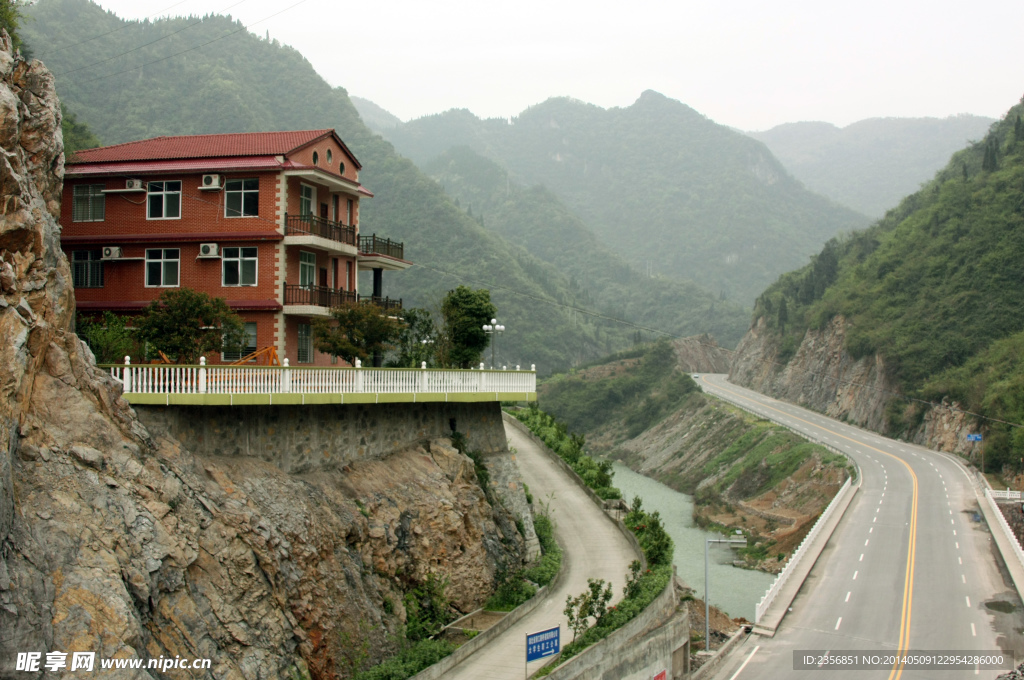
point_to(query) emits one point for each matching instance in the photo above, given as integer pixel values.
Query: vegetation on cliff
(934, 288)
(642, 408)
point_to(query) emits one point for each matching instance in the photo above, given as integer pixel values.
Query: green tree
(10, 19)
(356, 330)
(186, 324)
(111, 339)
(416, 340)
(783, 314)
(464, 312)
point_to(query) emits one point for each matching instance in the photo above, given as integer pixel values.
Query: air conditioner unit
(112, 253)
(134, 184)
(212, 182)
(209, 250)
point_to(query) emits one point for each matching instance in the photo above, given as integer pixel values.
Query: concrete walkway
(592, 548)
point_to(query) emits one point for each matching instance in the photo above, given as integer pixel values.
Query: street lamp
(493, 328)
(707, 584)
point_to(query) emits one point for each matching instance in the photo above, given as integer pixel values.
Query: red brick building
(268, 220)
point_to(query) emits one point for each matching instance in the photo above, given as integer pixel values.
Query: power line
(136, 49)
(191, 49)
(123, 25)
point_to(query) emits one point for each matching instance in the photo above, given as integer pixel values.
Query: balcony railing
(375, 245)
(317, 296)
(385, 303)
(235, 380)
(310, 225)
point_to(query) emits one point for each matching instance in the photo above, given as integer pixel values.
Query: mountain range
(872, 164)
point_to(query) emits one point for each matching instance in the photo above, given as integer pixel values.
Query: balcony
(315, 300)
(384, 303)
(376, 252)
(309, 230)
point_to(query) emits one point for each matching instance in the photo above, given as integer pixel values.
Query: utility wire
(123, 25)
(136, 49)
(191, 49)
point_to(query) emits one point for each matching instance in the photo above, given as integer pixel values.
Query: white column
(127, 374)
(286, 377)
(202, 375)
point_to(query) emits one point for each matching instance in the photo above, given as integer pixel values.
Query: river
(736, 591)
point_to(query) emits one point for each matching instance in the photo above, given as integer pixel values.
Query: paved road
(911, 566)
(592, 548)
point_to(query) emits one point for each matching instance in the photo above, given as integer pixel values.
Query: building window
(242, 198)
(316, 158)
(348, 275)
(164, 200)
(238, 266)
(162, 267)
(307, 269)
(250, 344)
(330, 157)
(87, 268)
(348, 213)
(305, 353)
(88, 203)
(307, 196)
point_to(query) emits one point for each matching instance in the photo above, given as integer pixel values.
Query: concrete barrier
(621, 653)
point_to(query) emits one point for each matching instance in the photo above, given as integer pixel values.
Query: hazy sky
(745, 63)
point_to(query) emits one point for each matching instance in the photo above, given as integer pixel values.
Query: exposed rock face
(701, 353)
(117, 543)
(822, 376)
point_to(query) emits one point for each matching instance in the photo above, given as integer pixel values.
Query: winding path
(592, 548)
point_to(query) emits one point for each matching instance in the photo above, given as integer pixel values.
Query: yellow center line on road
(908, 581)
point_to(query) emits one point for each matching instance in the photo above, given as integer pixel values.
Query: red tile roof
(89, 168)
(205, 146)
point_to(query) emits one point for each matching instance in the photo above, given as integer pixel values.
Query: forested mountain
(871, 164)
(375, 117)
(669, 189)
(142, 79)
(935, 289)
(599, 278)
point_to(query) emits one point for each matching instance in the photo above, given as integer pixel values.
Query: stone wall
(304, 439)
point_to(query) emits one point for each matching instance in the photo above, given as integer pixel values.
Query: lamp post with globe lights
(494, 329)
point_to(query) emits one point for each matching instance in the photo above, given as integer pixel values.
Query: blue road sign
(974, 437)
(543, 644)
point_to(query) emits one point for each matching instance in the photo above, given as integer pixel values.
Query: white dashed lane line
(855, 573)
(847, 596)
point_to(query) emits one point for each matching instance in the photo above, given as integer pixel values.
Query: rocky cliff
(127, 545)
(822, 375)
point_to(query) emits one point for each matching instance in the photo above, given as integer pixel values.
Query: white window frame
(307, 268)
(241, 191)
(307, 199)
(251, 336)
(304, 345)
(163, 259)
(95, 203)
(350, 210)
(237, 255)
(164, 193)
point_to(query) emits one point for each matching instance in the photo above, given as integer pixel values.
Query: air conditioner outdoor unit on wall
(133, 184)
(212, 182)
(112, 253)
(209, 250)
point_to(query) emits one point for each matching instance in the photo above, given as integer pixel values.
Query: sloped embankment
(743, 472)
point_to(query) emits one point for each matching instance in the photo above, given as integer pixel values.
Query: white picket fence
(203, 379)
(794, 560)
(991, 497)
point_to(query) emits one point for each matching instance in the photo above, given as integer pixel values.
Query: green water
(736, 591)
